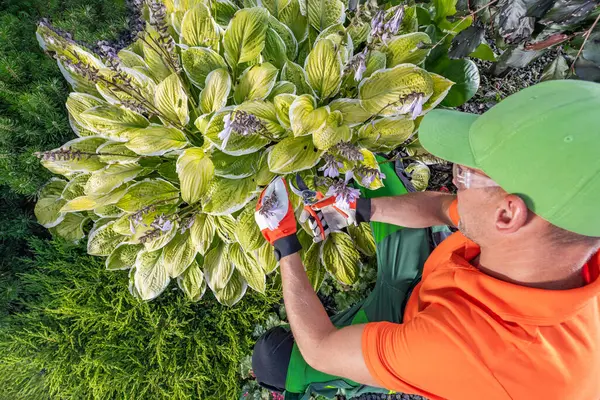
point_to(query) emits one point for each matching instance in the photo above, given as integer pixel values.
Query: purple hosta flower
(416, 106)
(240, 122)
(187, 223)
(378, 24)
(344, 194)
(268, 210)
(360, 64)
(331, 167)
(393, 25)
(162, 223)
(349, 151)
(109, 54)
(368, 175)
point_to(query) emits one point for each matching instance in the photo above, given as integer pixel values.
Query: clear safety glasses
(467, 178)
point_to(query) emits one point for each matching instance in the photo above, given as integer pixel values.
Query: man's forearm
(413, 210)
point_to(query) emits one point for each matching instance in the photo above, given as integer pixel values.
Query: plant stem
(586, 36)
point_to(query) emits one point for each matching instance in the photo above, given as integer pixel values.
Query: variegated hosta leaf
(218, 268)
(340, 257)
(196, 171)
(106, 180)
(131, 59)
(234, 291)
(265, 111)
(255, 83)
(265, 258)
(417, 152)
(199, 29)
(247, 231)
(108, 211)
(305, 117)
(341, 40)
(151, 277)
(160, 241)
(362, 236)
(245, 36)
(112, 122)
(275, 49)
(214, 96)
(71, 228)
(441, 87)
(238, 144)
(385, 134)
(202, 232)
(154, 56)
(192, 282)
(389, 91)
(80, 156)
(78, 103)
(116, 152)
(293, 154)
(123, 256)
(375, 61)
(47, 209)
(264, 175)
(156, 140)
(286, 35)
(407, 49)
(281, 87)
(324, 13)
(144, 83)
(231, 167)
(282, 107)
(312, 263)
(294, 73)
(359, 32)
(332, 133)
(179, 254)
(295, 19)
(248, 268)
(274, 6)
(103, 240)
(198, 62)
(148, 192)
(369, 161)
(201, 123)
(226, 196)
(81, 203)
(419, 175)
(172, 101)
(324, 69)
(352, 111)
(225, 227)
(75, 187)
(223, 11)
(93, 202)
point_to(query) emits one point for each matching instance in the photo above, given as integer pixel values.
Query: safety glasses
(467, 178)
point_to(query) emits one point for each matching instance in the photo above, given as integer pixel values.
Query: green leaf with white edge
(340, 257)
(295, 19)
(305, 118)
(256, 83)
(196, 171)
(131, 59)
(77, 103)
(81, 203)
(385, 134)
(324, 69)
(275, 49)
(225, 227)
(264, 176)
(116, 152)
(226, 196)
(266, 112)
(465, 75)
(148, 192)
(202, 232)
(106, 180)
(172, 101)
(47, 208)
(274, 6)
(215, 93)
(244, 38)
(160, 241)
(294, 73)
(419, 175)
(286, 34)
(237, 145)
(293, 154)
(281, 87)
(352, 111)
(151, 277)
(153, 55)
(247, 266)
(71, 227)
(359, 32)
(247, 231)
(484, 52)
(75, 187)
(73, 163)
(156, 140)
(376, 61)
(265, 258)
(198, 62)
(179, 254)
(332, 133)
(411, 48)
(223, 11)
(218, 268)
(192, 282)
(385, 92)
(369, 161)
(441, 87)
(312, 263)
(234, 291)
(108, 211)
(123, 256)
(341, 39)
(126, 76)
(198, 28)
(112, 122)
(103, 240)
(282, 107)
(362, 236)
(324, 13)
(231, 167)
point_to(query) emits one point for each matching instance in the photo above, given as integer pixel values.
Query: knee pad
(271, 358)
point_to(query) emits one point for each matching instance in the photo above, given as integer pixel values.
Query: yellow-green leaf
(202, 232)
(312, 264)
(248, 268)
(238, 144)
(71, 227)
(267, 114)
(195, 171)
(324, 13)
(324, 69)
(226, 196)
(282, 107)
(146, 193)
(123, 256)
(265, 257)
(154, 55)
(81, 203)
(218, 268)
(225, 227)
(245, 36)
(419, 175)
(295, 73)
(234, 291)
(264, 176)
(179, 254)
(199, 29)
(275, 49)
(352, 111)
(192, 282)
(332, 133)
(256, 83)
(150, 277)
(77, 103)
(47, 209)
(340, 257)
(198, 62)
(281, 87)
(247, 231)
(156, 140)
(286, 35)
(103, 240)
(362, 236)
(441, 87)
(293, 154)
(305, 118)
(77, 155)
(112, 122)
(295, 19)
(106, 180)
(215, 93)
(274, 6)
(407, 49)
(172, 101)
(116, 152)
(369, 161)
(385, 134)
(75, 187)
(232, 167)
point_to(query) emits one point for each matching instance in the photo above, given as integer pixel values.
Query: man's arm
(323, 346)
(413, 210)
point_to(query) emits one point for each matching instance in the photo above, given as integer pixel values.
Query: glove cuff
(363, 210)
(286, 245)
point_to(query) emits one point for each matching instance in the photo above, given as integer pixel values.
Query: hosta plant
(179, 132)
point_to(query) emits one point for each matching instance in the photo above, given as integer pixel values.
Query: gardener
(506, 308)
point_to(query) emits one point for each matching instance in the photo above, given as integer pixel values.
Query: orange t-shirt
(467, 335)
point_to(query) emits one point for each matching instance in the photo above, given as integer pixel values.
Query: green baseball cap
(542, 143)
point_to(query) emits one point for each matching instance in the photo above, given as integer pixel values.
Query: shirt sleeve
(453, 212)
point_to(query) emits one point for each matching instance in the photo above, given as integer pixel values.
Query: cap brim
(445, 134)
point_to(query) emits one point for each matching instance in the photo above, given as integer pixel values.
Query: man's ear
(511, 214)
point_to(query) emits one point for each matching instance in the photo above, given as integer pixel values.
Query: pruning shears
(309, 197)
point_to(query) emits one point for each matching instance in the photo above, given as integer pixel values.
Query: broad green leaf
(465, 75)
(238, 144)
(77, 103)
(312, 264)
(103, 240)
(246, 265)
(131, 59)
(245, 36)
(282, 107)
(324, 13)
(332, 133)
(156, 140)
(362, 236)
(225, 227)
(484, 52)
(108, 211)
(352, 111)
(385, 92)
(274, 6)
(265, 258)
(324, 69)
(286, 34)
(293, 154)
(202, 232)
(231, 167)
(151, 277)
(411, 48)
(160, 241)
(179, 254)
(78, 155)
(81, 203)
(146, 193)
(281, 87)
(275, 49)
(247, 231)
(419, 175)
(443, 9)
(172, 101)
(195, 171)
(75, 187)
(198, 62)
(144, 84)
(47, 208)
(267, 114)
(226, 196)
(441, 86)
(369, 161)
(116, 152)
(154, 56)
(218, 268)
(294, 73)
(305, 118)
(256, 83)
(341, 40)
(106, 180)
(215, 93)
(199, 29)
(112, 122)
(340, 257)
(557, 69)
(223, 11)
(192, 282)
(123, 256)
(359, 32)
(385, 134)
(376, 61)
(234, 291)
(264, 176)
(71, 227)
(293, 17)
